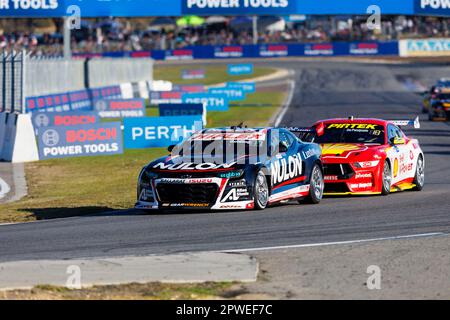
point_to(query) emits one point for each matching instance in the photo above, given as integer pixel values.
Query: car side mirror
(170, 148)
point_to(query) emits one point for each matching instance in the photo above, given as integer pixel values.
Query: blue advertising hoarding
(247, 87)
(233, 94)
(77, 141)
(157, 97)
(432, 7)
(156, 132)
(157, 8)
(240, 69)
(193, 74)
(120, 108)
(212, 102)
(239, 7)
(183, 109)
(369, 48)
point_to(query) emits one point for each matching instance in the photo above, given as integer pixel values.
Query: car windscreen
(351, 133)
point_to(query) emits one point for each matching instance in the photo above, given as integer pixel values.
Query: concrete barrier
(17, 139)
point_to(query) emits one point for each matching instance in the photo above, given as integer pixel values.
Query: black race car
(233, 168)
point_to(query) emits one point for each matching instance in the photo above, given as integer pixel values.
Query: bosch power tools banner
(239, 7)
(153, 132)
(158, 8)
(123, 108)
(82, 140)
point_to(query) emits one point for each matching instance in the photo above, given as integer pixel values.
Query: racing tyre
(261, 191)
(386, 179)
(316, 187)
(419, 178)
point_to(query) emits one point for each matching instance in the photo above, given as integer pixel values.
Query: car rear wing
(402, 123)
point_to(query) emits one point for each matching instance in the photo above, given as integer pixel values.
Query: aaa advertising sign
(212, 102)
(154, 132)
(82, 140)
(424, 47)
(123, 108)
(238, 7)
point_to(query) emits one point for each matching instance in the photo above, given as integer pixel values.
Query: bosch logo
(50, 138)
(101, 105)
(42, 120)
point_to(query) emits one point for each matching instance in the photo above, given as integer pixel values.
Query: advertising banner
(177, 8)
(432, 7)
(274, 50)
(192, 74)
(120, 108)
(179, 54)
(157, 97)
(212, 102)
(63, 119)
(189, 88)
(240, 69)
(424, 47)
(155, 132)
(239, 7)
(247, 87)
(82, 140)
(183, 109)
(233, 94)
(49, 103)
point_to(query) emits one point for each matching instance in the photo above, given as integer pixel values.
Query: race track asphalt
(324, 89)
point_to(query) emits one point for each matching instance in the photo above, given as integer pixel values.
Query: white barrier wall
(17, 138)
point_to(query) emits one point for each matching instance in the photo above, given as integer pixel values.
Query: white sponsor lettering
(284, 170)
(435, 4)
(29, 4)
(192, 166)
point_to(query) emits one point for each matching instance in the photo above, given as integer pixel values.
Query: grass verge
(214, 73)
(133, 291)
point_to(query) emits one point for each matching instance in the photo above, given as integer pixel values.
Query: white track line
(286, 105)
(4, 188)
(337, 243)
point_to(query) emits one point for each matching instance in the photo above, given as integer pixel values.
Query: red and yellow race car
(368, 156)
